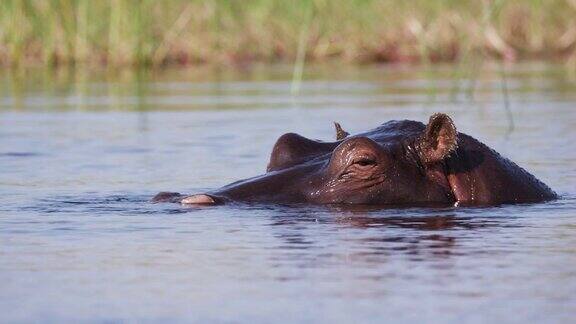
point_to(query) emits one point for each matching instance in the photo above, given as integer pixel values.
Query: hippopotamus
(400, 163)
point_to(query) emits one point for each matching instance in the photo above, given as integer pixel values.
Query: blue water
(81, 155)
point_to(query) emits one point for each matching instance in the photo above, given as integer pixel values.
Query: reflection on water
(81, 154)
(264, 87)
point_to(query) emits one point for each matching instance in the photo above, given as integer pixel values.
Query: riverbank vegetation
(177, 32)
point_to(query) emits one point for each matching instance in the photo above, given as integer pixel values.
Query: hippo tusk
(340, 133)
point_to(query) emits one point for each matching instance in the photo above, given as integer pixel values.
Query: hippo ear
(439, 139)
(340, 133)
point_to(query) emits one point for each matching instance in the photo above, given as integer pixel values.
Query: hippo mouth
(196, 199)
(201, 199)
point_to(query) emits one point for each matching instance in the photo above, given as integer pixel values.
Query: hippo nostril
(198, 200)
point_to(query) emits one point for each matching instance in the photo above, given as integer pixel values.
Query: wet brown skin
(400, 163)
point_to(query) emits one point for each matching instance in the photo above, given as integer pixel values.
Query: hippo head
(398, 163)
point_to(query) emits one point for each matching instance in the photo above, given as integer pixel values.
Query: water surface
(81, 154)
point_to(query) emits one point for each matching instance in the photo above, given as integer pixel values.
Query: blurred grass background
(177, 32)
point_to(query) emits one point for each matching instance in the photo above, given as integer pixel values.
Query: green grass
(149, 32)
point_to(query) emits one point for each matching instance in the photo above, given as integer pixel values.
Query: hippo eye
(365, 162)
(360, 166)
